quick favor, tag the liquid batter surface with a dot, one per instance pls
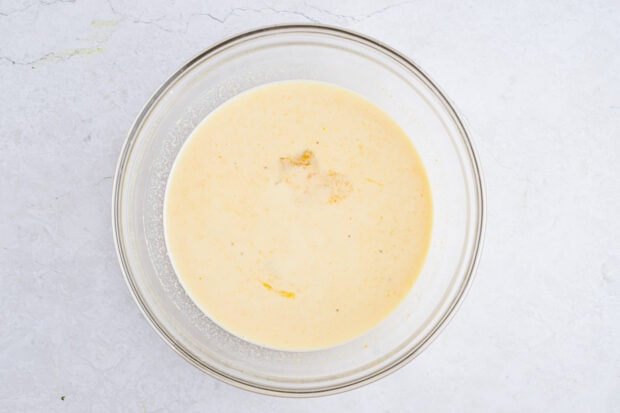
(298, 215)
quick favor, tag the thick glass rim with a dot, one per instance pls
(125, 156)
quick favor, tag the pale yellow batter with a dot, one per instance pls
(298, 215)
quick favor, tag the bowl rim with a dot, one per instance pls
(396, 364)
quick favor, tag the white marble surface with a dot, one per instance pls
(539, 85)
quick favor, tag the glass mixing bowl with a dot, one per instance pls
(279, 53)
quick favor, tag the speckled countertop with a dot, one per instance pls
(539, 86)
